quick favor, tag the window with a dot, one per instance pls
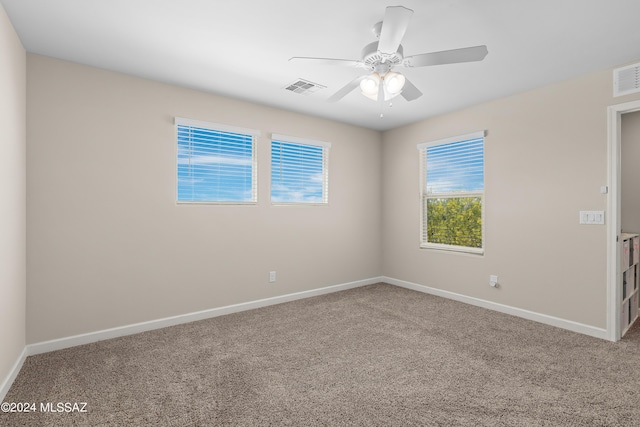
(452, 193)
(299, 170)
(216, 163)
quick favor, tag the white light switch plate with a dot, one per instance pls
(591, 217)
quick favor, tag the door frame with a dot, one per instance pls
(614, 202)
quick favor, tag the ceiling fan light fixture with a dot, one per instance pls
(369, 86)
(394, 82)
(380, 57)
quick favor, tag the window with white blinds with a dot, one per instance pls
(216, 163)
(452, 193)
(299, 170)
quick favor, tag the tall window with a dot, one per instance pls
(452, 192)
(216, 163)
(299, 170)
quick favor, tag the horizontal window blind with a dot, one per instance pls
(455, 167)
(215, 165)
(299, 171)
(452, 183)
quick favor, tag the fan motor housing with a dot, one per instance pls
(377, 61)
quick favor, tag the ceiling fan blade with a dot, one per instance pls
(409, 91)
(328, 61)
(395, 23)
(346, 89)
(466, 54)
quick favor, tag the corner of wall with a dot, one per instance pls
(12, 203)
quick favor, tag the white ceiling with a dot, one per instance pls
(240, 48)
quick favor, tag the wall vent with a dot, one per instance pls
(626, 80)
(304, 87)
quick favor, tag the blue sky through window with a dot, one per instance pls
(455, 167)
(297, 174)
(214, 166)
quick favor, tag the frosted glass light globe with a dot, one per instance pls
(369, 85)
(394, 82)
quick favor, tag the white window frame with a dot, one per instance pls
(180, 121)
(422, 148)
(325, 168)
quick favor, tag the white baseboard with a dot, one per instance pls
(526, 314)
(15, 369)
(59, 344)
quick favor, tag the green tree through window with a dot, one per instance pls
(455, 221)
(453, 192)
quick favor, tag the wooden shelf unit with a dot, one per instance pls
(630, 267)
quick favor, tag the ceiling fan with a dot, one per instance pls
(382, 56)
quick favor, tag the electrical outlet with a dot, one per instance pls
(493, 281)
(272, 276)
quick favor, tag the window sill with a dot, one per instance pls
(181, 202)
(298, 204)
(454, 249)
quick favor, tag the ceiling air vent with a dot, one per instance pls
(304, 87)
(626, 80)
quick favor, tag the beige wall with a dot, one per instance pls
(107, 244)
(12, 196)
(630, 171)
(546, 158)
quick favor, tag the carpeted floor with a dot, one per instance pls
(376, 356)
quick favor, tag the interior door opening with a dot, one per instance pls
(614, 207)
